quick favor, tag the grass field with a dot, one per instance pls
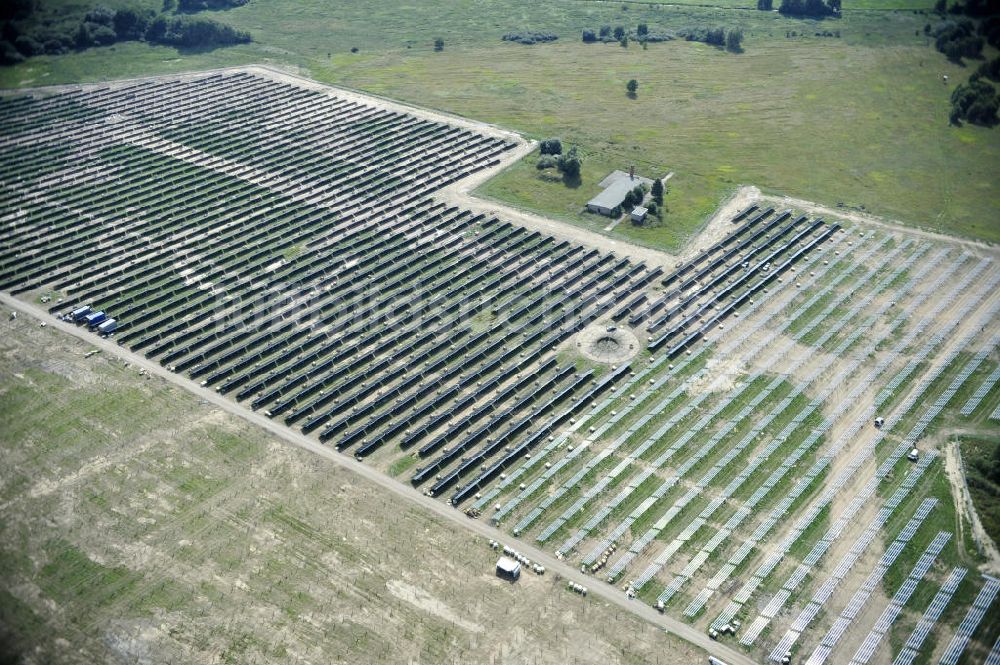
(859, 120)
(129, 535)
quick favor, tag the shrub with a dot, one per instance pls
(28, 45)
(642, 30)
(765, 5)
(605, 31)
(705, 35)
(132, 24)
(100, 15)
(589, 37)
(657, 37)
(438, 44)
(632, 86)
(990, 69)
(56, 43)
(657, 190)
(201, 5)
(976, 102)
(569, 164)
(957, 40)
(9, 55)
(550, 147)
(816, 8)
(546, 162)
(734, 40)
(619, 32)
(102, 35)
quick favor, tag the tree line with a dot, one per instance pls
(731, 39)
(23, 36)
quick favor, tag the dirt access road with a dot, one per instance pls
(608, 593)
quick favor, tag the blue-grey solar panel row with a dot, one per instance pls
(981, 392)
(770, 611)
(819, 599)
(768, 566)
(979, 608)
(743, 595)
(911, 649)
(637, 547)
(882, 625)
(994, 657)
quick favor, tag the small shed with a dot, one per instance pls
(508, 569)
(107, 327)
(639, 215)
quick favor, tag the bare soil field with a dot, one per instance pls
(142, 525)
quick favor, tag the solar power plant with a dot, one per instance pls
(757, 462)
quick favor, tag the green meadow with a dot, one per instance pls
(858, 120)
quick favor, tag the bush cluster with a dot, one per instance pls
(731, 39)
(958, 40)
(813, 8)
(975, 102)
(990, 70)
(190, 32)
(634, 197)
(529, 37)
(552, 157)
(202, 5)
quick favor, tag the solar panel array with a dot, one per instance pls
(755, 628)
(911, 648)
(844, 477)
(982, 391)
(994, 657)
(282, 244)
(857, 602)
(899, 600)
(980, 606)
(829, 387)
(639, 545)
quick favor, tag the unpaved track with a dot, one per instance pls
(606, 592)
(955, 470)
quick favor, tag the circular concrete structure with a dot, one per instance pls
(611, 345)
